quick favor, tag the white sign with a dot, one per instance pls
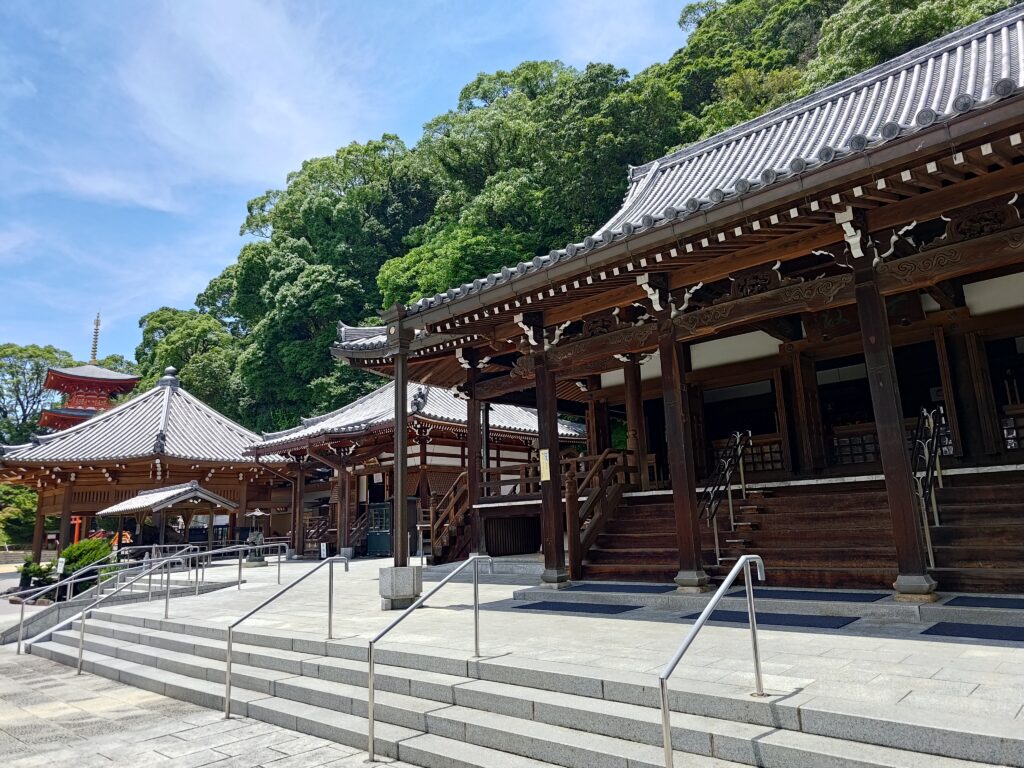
(60, 565)
(545, 467)
(323, 550)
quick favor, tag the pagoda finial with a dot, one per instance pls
(95, 339)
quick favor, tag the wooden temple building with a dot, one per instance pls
(816, 278)
(87, 389)
(160, 438)
(343, 465)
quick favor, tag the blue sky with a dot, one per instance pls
(132, 134)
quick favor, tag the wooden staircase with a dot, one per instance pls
(840, 538)
(451, 524)
(638, 543)
(979, 546)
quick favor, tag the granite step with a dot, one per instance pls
(550, 712)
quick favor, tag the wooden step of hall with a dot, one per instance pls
(836, 538)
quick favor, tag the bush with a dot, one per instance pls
(39, 575)
(86, 552)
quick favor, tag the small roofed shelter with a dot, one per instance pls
(162, 437)
(353, 447)
(187, 499)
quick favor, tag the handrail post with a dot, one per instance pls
(752, 619)
(330, 600)
(476, 608)
(239, 570)
(21, 626)
(369, 704)
(167, 592)
(666, 723)
(743, 476)
(81, 642)
(227, 677)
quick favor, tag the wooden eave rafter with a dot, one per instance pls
(892, 194)
(942, 140)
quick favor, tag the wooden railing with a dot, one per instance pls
(601, 489)
(447, 516)
(360, 528)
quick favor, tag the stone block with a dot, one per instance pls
(400, 587)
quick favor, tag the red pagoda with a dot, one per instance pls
(88, 389)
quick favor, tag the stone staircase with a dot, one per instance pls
(436, 708)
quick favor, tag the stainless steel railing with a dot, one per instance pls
(83, 614)
(330, 617)
(76, 578)
(742, 566)
(474, 560)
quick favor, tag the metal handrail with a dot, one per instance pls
(203, 556)
(72, 580)
(330, 618)
(92, 606)
(475, 561)
(926, 470)
(731, 461)
(743, 564)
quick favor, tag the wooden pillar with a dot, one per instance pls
(423, 488)
(243, 509)
(552, 512)
(473, 456)
(39, 532)
(401, 336)
(485, 427)
(973, 384)
(64, 536)
(679, 441)
(913, 581)
(599, 437)
(294, 534)
(300, 507)
(809, 427)
(636, 429)
(344, 511)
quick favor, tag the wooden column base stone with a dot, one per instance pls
(914, 588)
(692, 582)
(555, 578)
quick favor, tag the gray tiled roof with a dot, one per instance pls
(964, 71)
(95, 372)
(159, 498)
(165, 421)
(436, 403)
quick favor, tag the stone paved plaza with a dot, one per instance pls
(51, 717)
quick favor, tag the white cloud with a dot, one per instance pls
(152, 100)
(14, 243)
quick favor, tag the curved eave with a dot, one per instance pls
(336, 437)
(12, 462)
(55, 377)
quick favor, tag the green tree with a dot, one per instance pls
(18, 515)
(868, 32)
(23, 395)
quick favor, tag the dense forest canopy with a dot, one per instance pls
(528, 159)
